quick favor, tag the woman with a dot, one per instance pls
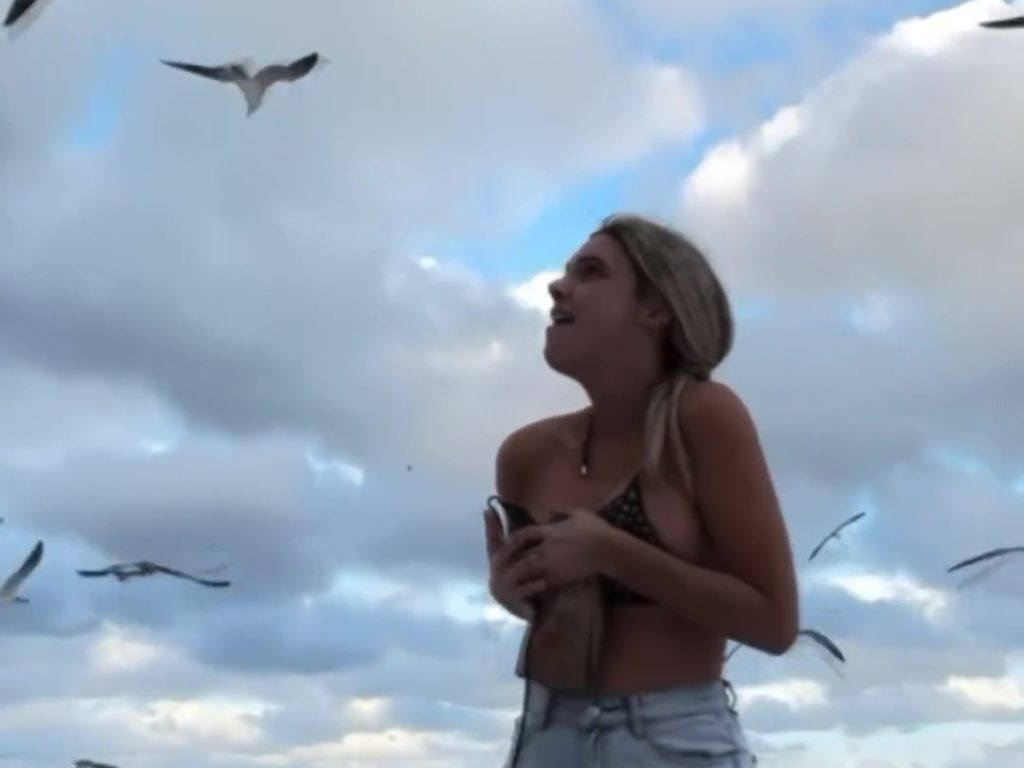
(700, 552)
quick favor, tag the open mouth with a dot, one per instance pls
(561, 317)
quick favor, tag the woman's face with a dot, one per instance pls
(596, 314)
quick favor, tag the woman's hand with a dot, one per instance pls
(516, 576)
(572, 546)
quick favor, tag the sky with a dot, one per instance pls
(283, 349)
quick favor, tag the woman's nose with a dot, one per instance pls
(555, 289)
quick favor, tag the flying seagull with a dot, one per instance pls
(1015, 21)
(9, 590)
(835, 533)
(824, 641)
(992, 553)
(91, 764)
(124, 571)
(253, 86)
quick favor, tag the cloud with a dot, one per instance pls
(222, 343)
(234, 287)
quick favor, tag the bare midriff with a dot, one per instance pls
(645, 647)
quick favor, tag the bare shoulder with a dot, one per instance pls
(711, 409)
(520, 451)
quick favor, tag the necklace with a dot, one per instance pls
(585, 458)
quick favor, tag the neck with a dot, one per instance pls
(618, 401)
(614, 424)
(616, 416)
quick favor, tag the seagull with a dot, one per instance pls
(91, 764)
(1015, 21)
(835, 533)
(124, 571)
(18, 9)
(989, 555)
(824, 641)
(253, 86)
(995, 555)
(9, 590)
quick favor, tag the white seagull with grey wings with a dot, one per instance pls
(253, 86)
(9, 590)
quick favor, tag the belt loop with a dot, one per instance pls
(634, 707)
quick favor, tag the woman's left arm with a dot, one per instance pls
(754, 598)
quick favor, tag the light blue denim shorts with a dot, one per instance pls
(693, 726)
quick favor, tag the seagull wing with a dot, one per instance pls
(834, 533)
(210, 582)
(196, 579)
(188, 577)
(1016, 21)
(824, 642)
(998, 552)
(98, 572)
(849, 521)
(287, 72)
(10, 587)
(164, 569)
(817, 548)
(18, 9)
(227, 73)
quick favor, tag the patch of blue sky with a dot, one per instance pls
(834, 21)
(962, 461)
(548, 239)
(100, 117)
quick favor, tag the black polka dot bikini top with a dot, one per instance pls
(626, 512)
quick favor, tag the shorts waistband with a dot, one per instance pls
(610, 710)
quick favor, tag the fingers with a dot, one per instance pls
(528, 567)
(507, 580)
(531, 535)
(530, 589)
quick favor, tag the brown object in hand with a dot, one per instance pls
(562, 647)
(563, 644)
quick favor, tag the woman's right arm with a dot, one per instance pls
(513, 578)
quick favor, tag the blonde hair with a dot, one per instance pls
(700, 332)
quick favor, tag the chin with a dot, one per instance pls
(562, 361)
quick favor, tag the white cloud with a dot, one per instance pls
(204, 354)
(985, 692)
(898, 587)
(725, 174)
(534, 293)
(932, 35)
(795, 694)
